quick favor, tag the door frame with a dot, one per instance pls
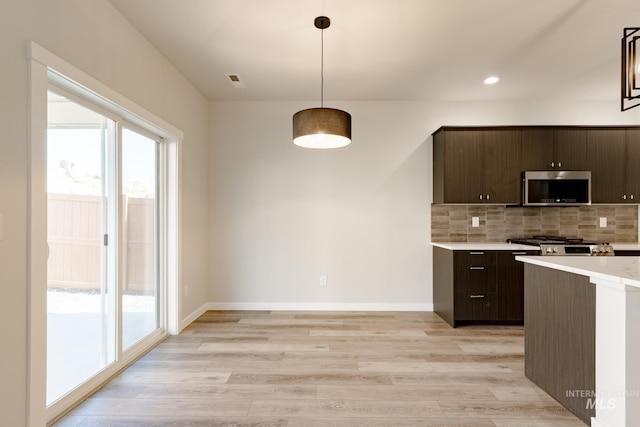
(46, 68)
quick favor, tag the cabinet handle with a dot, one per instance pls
(518, 253)
(559, 164)
(476, 296)
(476, 268)
(481, 197)
(476, 253)
(488, 197)
(553, 164)
(624, 196)
(631, 196)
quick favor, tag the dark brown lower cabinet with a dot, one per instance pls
(510, 285)
(478, 287)
(559, 337)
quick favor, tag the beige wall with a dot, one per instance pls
(282, 216)
(93, 37)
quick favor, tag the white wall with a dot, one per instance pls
(92, 36)
(281, 216)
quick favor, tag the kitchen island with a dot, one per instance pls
(615, 396)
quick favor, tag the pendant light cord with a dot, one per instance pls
(322, 68)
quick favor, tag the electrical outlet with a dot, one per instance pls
(475, 221)
(603, 222)
(323, 280)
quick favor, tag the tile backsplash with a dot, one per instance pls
(453, 223)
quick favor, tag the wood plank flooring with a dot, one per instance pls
(327, 369)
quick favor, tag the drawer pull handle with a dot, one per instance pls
(519, 253)
(476, 253)
(476, 296)
(476, 268)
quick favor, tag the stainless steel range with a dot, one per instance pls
(568, 246)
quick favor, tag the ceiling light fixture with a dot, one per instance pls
(322, 127)
(491, 80)
(630, 87)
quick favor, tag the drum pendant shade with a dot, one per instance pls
(322, 127)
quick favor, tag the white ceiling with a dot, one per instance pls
(391, 49)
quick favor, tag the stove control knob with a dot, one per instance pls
(549, 250)
(555, 250)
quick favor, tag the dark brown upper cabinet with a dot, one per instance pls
(614, 158)
(477, 165)
(554, 149)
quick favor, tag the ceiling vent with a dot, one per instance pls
(235, 81)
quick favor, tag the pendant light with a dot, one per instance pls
(322, 127)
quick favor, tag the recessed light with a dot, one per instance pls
(491, 80)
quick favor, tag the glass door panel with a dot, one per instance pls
(139, 293)
(80, 287)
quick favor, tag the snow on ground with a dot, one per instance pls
(81, 301)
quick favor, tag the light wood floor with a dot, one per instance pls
(327, 369)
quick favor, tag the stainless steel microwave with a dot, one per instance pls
(556, 188)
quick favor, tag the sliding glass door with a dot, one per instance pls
(139, 187)
(102, 222)
(80, 286)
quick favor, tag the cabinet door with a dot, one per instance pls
(632, 183)
(510, 286)
(537, 149)
(606, 152)
(463, 166)
(474, 307)
(570, 149)
(502, 167)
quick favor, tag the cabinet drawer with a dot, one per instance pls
(474, 258)
(474, 306)
(476, 279)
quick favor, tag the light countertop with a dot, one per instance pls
(626, 246)
(483, 246)
(504, 246)
(624, 270)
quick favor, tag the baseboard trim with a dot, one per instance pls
(192, 317)
(320, 306)
(270, 306)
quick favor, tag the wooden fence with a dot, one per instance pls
(75, 242)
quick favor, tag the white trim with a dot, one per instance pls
(193, 316)
(173, 238)
(285, 306)
(37, 248)
(266, 306)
